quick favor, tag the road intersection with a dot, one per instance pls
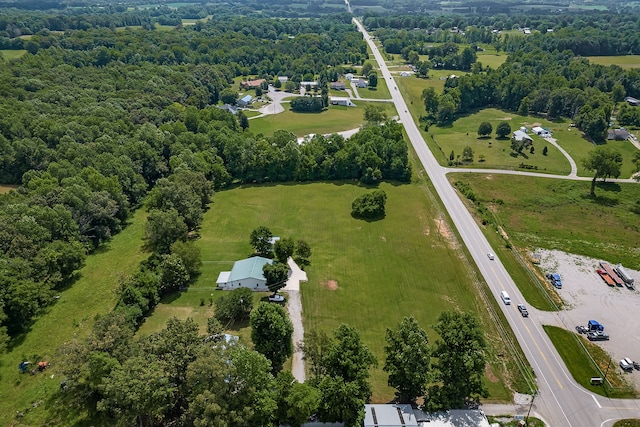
(560, 400)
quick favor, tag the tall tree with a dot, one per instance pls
(461, 360)
(283, 249)
(408, 360)
(315, 348)
(485, 129)
(163, 229)
(605, 161)
(296, 401)
(503, 129)
(276, 275)
(303, 253)
(271, 332)
(260, 239)
(243, 120)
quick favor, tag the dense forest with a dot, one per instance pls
(92, 120)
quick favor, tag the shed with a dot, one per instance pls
(283, 79)
(545, 133)
(338, 85)
(245, 101)
(334, 100)
(246, 273)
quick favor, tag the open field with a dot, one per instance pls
(357, 267)
(626, 61)
(558, 214)
(580, 362)
(489, 57)
(71, 316)
(12, 54)
(381, 92)
(336, 119)
(6, 188)
(497, 152)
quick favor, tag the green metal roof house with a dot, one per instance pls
(246, 273)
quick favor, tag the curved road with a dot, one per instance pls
(560, 400)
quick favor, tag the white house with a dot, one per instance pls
(360, 83)
(283, 79)
(520, 136)
(545, 133)
(304, 85)
(349, 76)
(334, 100)
(406, 74)
(246, 273)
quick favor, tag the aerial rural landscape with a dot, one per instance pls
(325, 213)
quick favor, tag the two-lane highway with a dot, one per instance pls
(560, 400)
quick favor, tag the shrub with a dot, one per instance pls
(369, 205)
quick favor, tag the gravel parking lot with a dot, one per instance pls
(587, 297)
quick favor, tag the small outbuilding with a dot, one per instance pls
(400, 415)
(617, 134)
(538, 130)
(245, 101)
(521, 136)
(246, 273)
(334, 100)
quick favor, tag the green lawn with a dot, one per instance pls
(626, 61)
(579, 356)
(384, 270)
(489, 58)
(464, 131)
(380, 92)
(11, 54)
(559, 214)
(336, 119)
(627, 423)
(71, 316)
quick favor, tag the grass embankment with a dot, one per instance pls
(580, 355)
(12, 54)
(71, 316)
(336, 118)
(367, 274)
(624, 61)
(559, 214)
(627, 423)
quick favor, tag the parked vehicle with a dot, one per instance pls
(523, 310)
(614, 276)
(505, 297)
(628, 280)
(582, 329)
(597, 336)
(626, 364)
(276, 298)
(594, 325)
(555, 280)
(607, 279)
(636, 366)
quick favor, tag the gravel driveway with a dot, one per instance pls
(588, 297)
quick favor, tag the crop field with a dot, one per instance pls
(71, 316)
(367, 274)
(560, 214)
(626, 61)
(336, 119)
(11, 54)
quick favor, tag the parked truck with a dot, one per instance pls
(606, 267)
(607, 279)
(624, 275)
(594, 325)
(555, 280)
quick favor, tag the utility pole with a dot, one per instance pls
(526, 420)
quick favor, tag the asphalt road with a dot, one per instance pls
(560, 400)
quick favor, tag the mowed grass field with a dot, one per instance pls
(464, 131)
(71, 316)
(560, 214)
(12, 54)
(336, 118)
(625, 61)
(367, 274)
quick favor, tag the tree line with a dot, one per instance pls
(179, 376)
